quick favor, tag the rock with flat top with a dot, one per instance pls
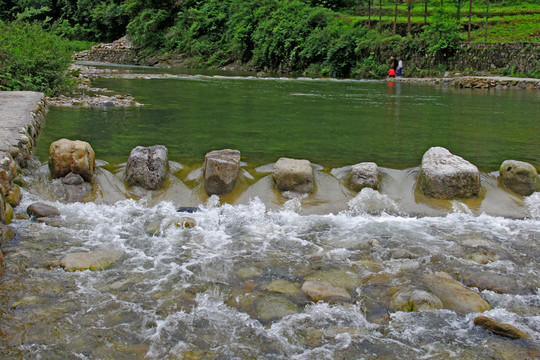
(66, 156)
(221, 168)
(519, 176)
(447, 176)
(293, 175)
(147, 167)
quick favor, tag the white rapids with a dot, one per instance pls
(196, 292)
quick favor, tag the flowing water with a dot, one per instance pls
(225, 282)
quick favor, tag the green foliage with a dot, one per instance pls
(441, 35)
(108, 21)
(32, 59)
(295, 36)
(281, 37)
(148, 28)
(333, 4)
(370, 68)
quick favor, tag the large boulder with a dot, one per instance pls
(221, 168)
(67, 156)
(519, 176)
(295, 176)
(147, 167)
(364, 175)
(453, 294)
(447, 176)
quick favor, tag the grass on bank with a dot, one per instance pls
(517, 23)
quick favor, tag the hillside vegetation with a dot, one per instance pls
(339, 38)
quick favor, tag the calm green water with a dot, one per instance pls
(332, 123)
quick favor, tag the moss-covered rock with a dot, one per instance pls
(519, 176)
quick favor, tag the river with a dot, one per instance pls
(230, 286)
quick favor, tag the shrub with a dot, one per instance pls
(33, 59)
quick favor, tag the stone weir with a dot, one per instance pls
(21, 115)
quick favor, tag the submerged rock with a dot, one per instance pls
(415, 300)
(67, 156)
(364, 175)
(147, 167)
(492, 281)
(447, 176)
(498, 328)
(283, 287)
(221, 168)
(275, 307)
(186, 222)
(345, 278)
(89, 260)
(519, 176)
(187, 209)
(325, 291)
(453, 294)
(6, 233)
(40, 209)
(292, 175)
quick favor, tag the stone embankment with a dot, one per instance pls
(21, 117)
(479, 82)
(117, 52)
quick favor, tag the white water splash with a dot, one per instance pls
(369, 201)
(533, 205)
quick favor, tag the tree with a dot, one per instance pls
(395, 17)
(380, 15)
(487, 17)
(369, 14)
(458, 4)
(410, 4)
(470, 15)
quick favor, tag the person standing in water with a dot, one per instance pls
(399, 67)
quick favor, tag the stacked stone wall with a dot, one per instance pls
(519, 57)
(21, 117)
